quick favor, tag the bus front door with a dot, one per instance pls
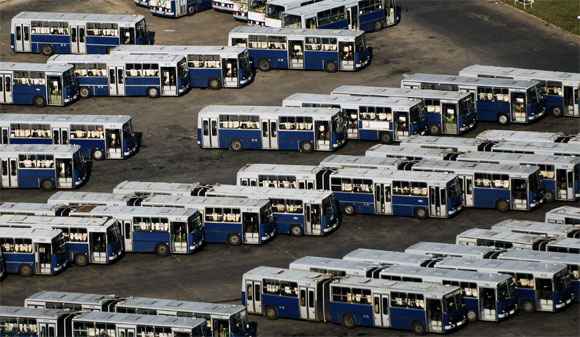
(4, 136)
(54, 90)
(468, 191)
(307, 303)
(125, 331)
(168, 81)
(518, 106)
(113, 142)
(308, 230)
(381, 310)
(562, 185)
(43, 258)
(6, 89)
(251, 228)
(77, 37)
(571, 101)
(22, 41)
(449, 119)
(351, 116)
(296, 54)
(209, 136)
(434, 315)
(383, 202)
(401, 125)
(128, 236)
(116, 81)
(269, 134)
(178, 237)
(64, 173)
(391, 12)
(9, 173)
(435, 201)
(254, 297)
(322, 135)
(231, 73)
(346, 53)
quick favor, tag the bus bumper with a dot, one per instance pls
(453, 326)
(538, 115)
(467, 127)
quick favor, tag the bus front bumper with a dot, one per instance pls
(467, 127)
(456, 210)
(452, 326)
(538, 115)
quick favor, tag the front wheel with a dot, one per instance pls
(47, 185)
(330, 67)
(296, 230)
(98, 155)
(557, 112)
(472, 316)
(379, 25)
(236, 146)
(214, 84)
(349, 210)
(306, 147)
(234, 240)
(271, 313)
(418, 328)
(39, 101)
(47, 51)
(84, 92)
(162, 250)
(264, 65)
(528, 306)
(26, 270)
(502, 206)
(435, 130)
(421, 213)
(386, 138)
(348, 321)
(503, 119)
(153, 92)
(81, 260)
(548, 196)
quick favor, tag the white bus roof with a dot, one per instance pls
(561, 149)
(170, 60)
(467, 167)
(340, 160)
(93, 224)
(22, 312)
(467, 81)
(262, 30)
(488, 234)
(449, 249)
(404, 151)
(520, 158)
(534, 227)
(431, 274)
(269, 111)
(88, 198)
(203, 202)
(69, 297)
(181, 306)
(278, 169)
(59, 151)
(136, 49)
(566, 243)
(520, 136)
(386, 257)
(301, 277)
(142, 320)
(145, 187)
(382, 174)
(350, 267)
(87, 17)
(542, 270)
(539, 256)
(41, 235)
(22, 66)
(6, 119)
(130, 211)
(312, 196)
(395, 103)
(430, 290)
(28, 208)
(570, 211)
(362, 90)
(317, 7)
(521, 73)
(285, 2)
(456, 143)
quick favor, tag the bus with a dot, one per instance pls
(246, 127)
(389, 258)
(223, 320)
(336, 267)
(42, 166)
(95, 323)
(370, 118)
(70, 301)
(565, 245)
(352, 301)
(271, 15)
(145, 188)
(446, 112)
(440, 249)
(560, 175)
(539, 286)
(2, 266)
(538, 228)
(178, 8)
(502, 239)
(299, 49)
(497, 100)
(365, 15)
(142, 3)
(212, 67)
(127, 75)
(19, 321)
(33, 251)
(345, 161)
(37, 84)
(527, 136)
(99, 136)
(75, 33)
(499, 186)
(560, 89)
(307, 213)
(564, 215)
(88, 241)
(408, 153)
(76, 199)
(228, 6)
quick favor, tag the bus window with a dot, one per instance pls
(128, 35)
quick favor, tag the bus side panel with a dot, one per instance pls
(61, 44)
(315, 60)
(553, 101)
(488, 197)
(146, 242)
(362, 203)
(101, 44)
(433, 118)
(406, 205)
(367, 21)
(89, 145)
(278, 58)
(13, 261)
(403, 318)
(98, 86)
(30, 141)
(286, 307)
(368, 135)
(285, 221)
(471, 304)
(137, 86)
(78, 247)
(489, 111)
(31, 178)
(525, 294)
(291, 140)
(341, 24)
(24, 94)
(250, 139)
(361, 313)
(199, 78)
(217, 232)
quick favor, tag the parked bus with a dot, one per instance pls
(212, 67)
(228, 6)
(36, 209)
(410, 153)
(336, 267)
(497, 100)
(502, 239)
(527, 136)
(93, 198)
(454, 144)
(365, 15)
(538, 228)
(19, 321)
(178, 8)
(245, 127)
(223, 320)
(128, 75)
(346, 161)
(539, 286)
(30, 251)
(560, 89)
(142, 3)
(446, 112)
(565, 245)
(75, 33)
(42, 166)
(503, 187)
(99, 136)
(352, 301)
(389, 258)
(560, 175)
(70, 301)
(275, 9)
(38, 84)
(131, 187)
(440, 249)
(94, 241)
(370, 118)
(567, 215)
(299, 49)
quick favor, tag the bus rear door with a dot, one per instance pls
(383, 201)
(78, 43)
(254, 296)
(168, 81)
(307, 303)
(352, 16)
(116, 81)
(270, 134)
(23, 42)
(9, 172)
(6, 89)
(381, 310)
(59, 136)
(296, 54)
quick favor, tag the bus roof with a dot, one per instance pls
(16, 312)
(298, 276)
(268, 192)
(520, 158)
(449, 249)
(26, 208)
(143, 320)
(431, 290)
(488, 234)
(285, 2)
(131, 187)
(88, 17)
(314, 8)
(468, 81)
(23, 66)
(182, 306)
(539, 256)
(534, 227)
(518, 136)
(538, 148)
(386, 257)
(459, 167)
(269, 111)
(351, 267)
(520, 73)
(395, 103)
(262, 30)
(61, 221)
(80, 198)
(202, 202)
(125, 211)
(64, 119)
(404, 150)
(340, 160)
(115, 58)
(493, 265)
(566, 243)
(362, 90)
(278, 169)
(36, 234)
(135, 49)
(565, 211)
(457, 143)
(69, 297)
(386, 174)
(57, 150)
(428, 274)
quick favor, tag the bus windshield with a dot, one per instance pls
(266, 215)
(466, 106)
(67, 78)
(506, 289)
(127, 131)
(577, 174)
(114, 233)
(533, 96)
(274, 11)
(454, 189)
(244, 60)
(452, 302)
(329, 206)
(360, 44)
(58, 245)
(292, 21)
(141, 30)
(338, 123)
(183, 69)
(194, 223)
(237, 325)
(416, 113)
(561, 282)
(258, 5)
(536, 182)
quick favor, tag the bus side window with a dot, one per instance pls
(205, 128)
(112, 76)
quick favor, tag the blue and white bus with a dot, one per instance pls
(30, 251)
(99, 136)
(344, 161)
(29, 322)
(539, 286)
(365, 15)
(75, 33)
(352, 301)
(502, 239)
(38, 84)
(209, 66)
(72, 302)
(132, 187)
(564, 215)
(528, 136)
(94, 241)
(538, 228)
(178, 8)
(271, 15)
(246, 127)
(410, 153)
(503, 187)
(560, 89)
(497, 100)
(300, 49)
(560, 175)
(446, 112)
(336, 267)
(128, 75)
(370, 118)
(42, 166)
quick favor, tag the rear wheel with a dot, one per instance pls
(503, 119)
(296, 230)
(26, 270)
(548, 196)
(435, 130)
(271, 313)
(47, 50)
(236, 145)
(330, 67)
(557, 111)
(349, 210)
(421, 213)
(234, 240)
(348, 321)
(162, 249)
(153, 92)
(39, 101)
(379, 25)
(84, 92)
(528, 306)
(214, 84)
(98, 155)
(386, 138)
(264, 65)
(47, 185)
(472, 316)
(418, 328)
(502, 206)
(81, 260)
(306, 147)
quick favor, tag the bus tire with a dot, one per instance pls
(84, 92)
(503, 119)
(214, 84)
(528, 306)
(81, 260)
(418, 328)
(306, 147)
(379, 25)
(271, 313)
(47, 185)
(330, 67)
(39, 101)
(349, 210)
(386, 138)
(162, 250)
(264, 65)
(234, 239)
(153, 92)
(296, 230)
(471, 315)
(421, 213)
(435, 130)
(348, 321)
(98, 155)
(47, 50)
(26, 270)
(502, 206)
(548, 196)
(557, 111)
(236, 145)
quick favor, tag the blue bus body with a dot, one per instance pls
(299, 49)
(178, 8)
(75, 33)
(2, 266)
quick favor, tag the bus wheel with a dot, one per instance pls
(349, 210)
(421, 213)
(39, 101)
(306, 147)
(47, 185)
(214, 84)
(379, 25)
(348, 321)
(271, 313)
(556, 111)
(153, 92)
(236, 145)
(330, 67)
(503, 119)
(502, 206)
(47, 50)
(26, 270)
(234, 240)
(296, 230)
(418, 328)
(548, 196)
(162, 250)
(386, 138)
(84, 92)
(435, 130)
(264, 65)
(528, 306)
(471, 316)
(81, 260)
(98, 155)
